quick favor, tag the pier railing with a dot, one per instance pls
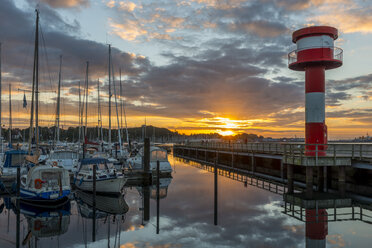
(298, 153)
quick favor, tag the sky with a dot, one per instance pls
(196, 66)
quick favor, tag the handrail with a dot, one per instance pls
(358, 151)
(337, 54)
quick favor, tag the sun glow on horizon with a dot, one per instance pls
(226, 133)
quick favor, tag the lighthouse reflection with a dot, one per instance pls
(318, 211)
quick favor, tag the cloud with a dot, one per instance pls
(65, 3)
(130, 30)
(348, 16)
(220, 4)
(261, 28)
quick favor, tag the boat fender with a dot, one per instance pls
(38, 183)
(81, 181)
(37, 225)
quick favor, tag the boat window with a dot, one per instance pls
(51, 178)
(159, 155)
(17, 159)
(64, 155)
(89, 167)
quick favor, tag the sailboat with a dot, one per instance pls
(43, 185)
(61, 154)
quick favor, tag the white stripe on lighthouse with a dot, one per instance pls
(315, 107)
(315, 42)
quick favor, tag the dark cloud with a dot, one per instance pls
(18, 49)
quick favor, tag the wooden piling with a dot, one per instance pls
(215, 194)
(146, 155)
(157, 196)
(94, 202)
(18, 207)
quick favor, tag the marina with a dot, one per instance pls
(203, 123)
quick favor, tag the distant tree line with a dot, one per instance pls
(156, 134)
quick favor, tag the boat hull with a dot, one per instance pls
(107, 186)
(44, 199)
(107, 204)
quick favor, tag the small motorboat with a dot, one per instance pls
(156, 154)
(45, 186)
(108, 179)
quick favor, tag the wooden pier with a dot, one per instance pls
(345, 167)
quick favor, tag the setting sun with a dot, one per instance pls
(226, 133)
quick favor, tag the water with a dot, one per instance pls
(247, 217)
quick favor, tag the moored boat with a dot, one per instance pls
(8, 170)
(46, 186)
(108, 179)
(156, 154)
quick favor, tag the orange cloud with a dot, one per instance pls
(129, 30)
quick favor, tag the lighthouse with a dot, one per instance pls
(315, 53)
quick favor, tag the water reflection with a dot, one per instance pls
(249, 212)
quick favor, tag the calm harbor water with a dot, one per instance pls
(247, 217)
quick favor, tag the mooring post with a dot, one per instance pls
(18, 206)
(290, 178)
(94, 202)
(146, 160)
(215, 194)
(18, 182)
(309, 181)
(157, 196)
(341, 180)
(146, 203)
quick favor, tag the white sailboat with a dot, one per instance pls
(108, 179)
(43, 185)
(156, 154)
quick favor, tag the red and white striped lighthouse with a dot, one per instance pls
(315, 53)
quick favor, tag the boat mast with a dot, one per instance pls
(86, 101)
(79, 114)
(117, 113)
(121, 105)
(59, 97)
(100, 131)
(10, 116)
(109, 75)
(37, 85)
(123, 110)
(35, 79)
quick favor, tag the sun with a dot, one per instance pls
(226, 133)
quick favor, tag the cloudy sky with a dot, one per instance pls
(192, 66)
